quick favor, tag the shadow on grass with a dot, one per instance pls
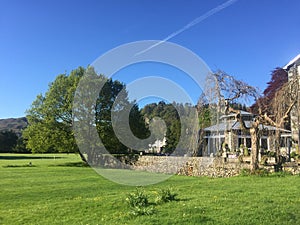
(15, 157)
(72, 164)
(17, 166)
(205, 219)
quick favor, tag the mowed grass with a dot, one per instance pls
(57, 189)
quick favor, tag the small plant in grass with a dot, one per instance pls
(137, 199)
(139, 211)
(166, 195)
(139, 203)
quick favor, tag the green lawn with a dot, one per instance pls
(57, 189)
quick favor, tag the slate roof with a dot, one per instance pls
(243, 113)
(234, 125)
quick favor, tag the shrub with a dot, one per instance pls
(139, 211)
(139, 203)
(137, 199)
(271, 154)
(294, 155)
(166, 195)
(246, 151)
(264, 160)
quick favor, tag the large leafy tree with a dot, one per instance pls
(111, 105)
(51, 118)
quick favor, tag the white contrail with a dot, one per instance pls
(192, 23)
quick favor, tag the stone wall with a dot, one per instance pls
(200, 166)
(190, 166)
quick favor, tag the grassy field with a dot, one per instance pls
(57, 189)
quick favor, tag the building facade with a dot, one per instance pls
(230, 135)
(293, 69)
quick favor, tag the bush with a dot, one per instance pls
(264, 160)
(246, 151)
(139, 211)
(294, 155)
(137, 199)
(166, 195)
(271, 154)
(139, 203)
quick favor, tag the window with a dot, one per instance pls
(240, 141)
(248, 142)
(264, 143)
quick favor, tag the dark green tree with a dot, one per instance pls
(169, 114)
(8, 140)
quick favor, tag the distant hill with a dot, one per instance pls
(13, 124)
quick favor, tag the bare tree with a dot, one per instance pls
(284, 101)
(227, 90)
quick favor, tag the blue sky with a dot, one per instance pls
(41, 39)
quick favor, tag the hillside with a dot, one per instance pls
(13, 124)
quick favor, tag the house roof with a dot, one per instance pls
(235, 125)
(293, 61)
(243, 113)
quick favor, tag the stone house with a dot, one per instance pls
(230, 135)
(293, 69)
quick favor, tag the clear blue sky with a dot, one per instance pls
(41, 39)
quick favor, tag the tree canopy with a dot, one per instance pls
(279, 77)
(51, 118)
(179, 120)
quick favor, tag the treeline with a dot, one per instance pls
(51, 118)
(10, 142)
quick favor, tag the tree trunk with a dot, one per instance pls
(278, 166)
(254, 148)
(82, 157)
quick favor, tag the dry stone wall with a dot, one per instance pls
(200, 166)
(190, 166)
